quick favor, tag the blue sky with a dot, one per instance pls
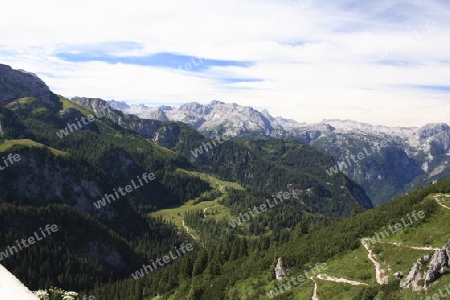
(163, 60)
(381, 62)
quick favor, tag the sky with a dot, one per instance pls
(380, 62)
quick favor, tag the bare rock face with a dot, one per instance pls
(211, 119)
(414, 277)
(15, 84)
(438, 266)
(280, 271)
(43, 176)
(420, 276)
(164, 134)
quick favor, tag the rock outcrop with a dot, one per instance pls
(42, 174)
(215, 118)
(280, 271)
(15, 84)
(427, 270)
(165, 134)
(438, 266)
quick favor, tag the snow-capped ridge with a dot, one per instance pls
(218, 117)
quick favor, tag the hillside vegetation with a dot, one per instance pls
(62, 175)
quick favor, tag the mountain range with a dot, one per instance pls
(67, 164)
(259, 199)
(413, 156)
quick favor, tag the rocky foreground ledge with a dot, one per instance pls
(428, 269)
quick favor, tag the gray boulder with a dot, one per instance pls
(437, 267)
(280, 271)
(427, 270)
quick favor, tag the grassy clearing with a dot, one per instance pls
(303, 290)
(397, 258)
(444, 199)
(211, 208)
(259, 287)
(67, 104)
(7, 145)
(353, 266)
(25, 100)
(433, 232)
(356, 266)
(213, 181)
(336, 291)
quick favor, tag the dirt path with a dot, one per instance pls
(410, 247)
(378, 271)
(221, 187)
(439, 202)
(187, 230)
(314, 296)
(339, 280)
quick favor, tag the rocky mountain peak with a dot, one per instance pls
(425, 150)
(267, 115)
(216, 117)
(432, 129)
(191, 106)
(95, 104)
(15, 84)
(217, 102)
(122, 105)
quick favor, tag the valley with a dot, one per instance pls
(225, 150)
(207, 201)
(399, 156)
(218, 211)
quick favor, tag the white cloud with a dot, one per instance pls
(317, 59)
